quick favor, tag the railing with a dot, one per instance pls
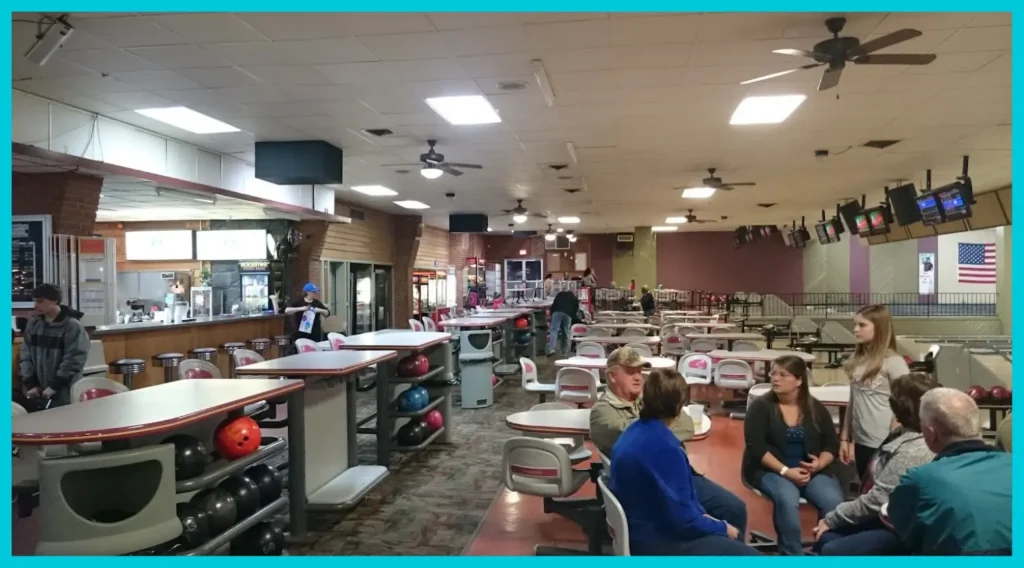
(905, 304)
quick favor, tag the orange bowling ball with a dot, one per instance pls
(522, 323)
(237, 438)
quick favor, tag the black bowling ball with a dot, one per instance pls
(245, 493)
(410, 434)
(263, 539)
(195, 527)
(268, 480)
(190, 456)
(220, 508)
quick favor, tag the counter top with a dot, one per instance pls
(154, 326)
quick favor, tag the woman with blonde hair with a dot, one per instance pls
(874, 365)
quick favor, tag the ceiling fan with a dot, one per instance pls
(519, 213)
(838, 51)
(434, 165)
(691, 218)
(714, 182)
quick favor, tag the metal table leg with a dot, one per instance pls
(297, 466)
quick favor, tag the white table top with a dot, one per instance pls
(474, 321)
(602, 362)
(395, 341)
(509, 310)
(143, 412)
(832, 395)
(682, 312)
(724, 335)
(762, 356)
(620, 339)
(703, 324)
(617, 314)
(317, 363)
(691, 317)
(646, 326)
(500, 316)
(571, 421)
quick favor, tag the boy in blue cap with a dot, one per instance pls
(310, 311)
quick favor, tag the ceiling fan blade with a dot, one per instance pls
(740, 184)
(888, 40)
(781, 73)
(458, 165)
(830, 78)
(446, 168)
(896, 59)
(798, 53)
(400, 165)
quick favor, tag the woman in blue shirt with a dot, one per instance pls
(651, 477)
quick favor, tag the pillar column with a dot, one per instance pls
(640, 264)
(408, 232)
(70, 199)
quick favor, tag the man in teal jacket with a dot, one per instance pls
(960, 503)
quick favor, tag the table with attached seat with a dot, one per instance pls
(572, 422)
(149, 414)
(650, 341)
(507, 317)
(728, 336)
(334, 479)
(602, 362)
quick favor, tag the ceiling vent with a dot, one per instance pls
(511, 85)
(378, 132)
(565, 178)
(880, 144)
(558, 167)
(571, 190)
(767, 205)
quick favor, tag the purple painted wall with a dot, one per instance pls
(931, 244)
(860, 267)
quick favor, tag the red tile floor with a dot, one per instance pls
(516, 523)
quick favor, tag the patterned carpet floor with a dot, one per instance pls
(434, 500)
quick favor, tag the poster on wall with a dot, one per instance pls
(30, 244)
(926, 273)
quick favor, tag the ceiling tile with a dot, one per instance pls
(128, 32)
(218, 77)
(568, 35)
(475, 20)
(209, 28)
(991, 19)
(156, 80)
(486, 41)
(287, 75)
(301, 92)
(134, 101)
(175, 57)
(279, 26)
(656, 30)
(358, 73)
(368, 24)
(490, 65)
(406, 46)
(976, 39)
(248, 95)
(324, 51)
(259, 53)
(107, 60)
(924, 21)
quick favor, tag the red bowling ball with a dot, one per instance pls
(494, 380)
(1000, 395)
(237, 437)
(977, 393)
(413, 366)
(522, 323)
(434, 420)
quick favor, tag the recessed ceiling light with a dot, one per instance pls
(187, 119)
(698, 192)
(461, 111)
(374, 190)
(568, 220)
(665, 229)
(675, 220)
(431, 172)
(412, 205)
(766, 110)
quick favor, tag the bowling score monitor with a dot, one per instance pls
(878, 221)
(931, 212)
(955, 201)
(826, 231)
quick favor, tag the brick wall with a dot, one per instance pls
(71, 199)
(460, 247)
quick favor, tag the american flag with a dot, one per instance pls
(976, 263)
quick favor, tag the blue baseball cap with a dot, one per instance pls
(310, 288)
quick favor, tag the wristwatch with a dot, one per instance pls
(783, 471)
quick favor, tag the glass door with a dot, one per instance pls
(382, 297)
(361, 298)
(337, 299)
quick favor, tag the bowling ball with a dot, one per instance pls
(1000, 394)
(411, 434)
(415, 365)
(494, 380)
(221, 512)
(522, 323)
(524, 337)
(408, 401)
(237, 437)
(195, 527)
(190, 456)
(977, 393)
(245, 493)
(263, 539)
(267, 480)
(422, 397)
(433, 420)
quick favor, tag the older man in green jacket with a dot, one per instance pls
(960, 503)
(620, 407)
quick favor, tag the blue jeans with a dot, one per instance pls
(822, 491)
(866, 539)
(721, 503)
(715, 545)
(560, 323)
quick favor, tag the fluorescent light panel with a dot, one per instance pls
(187, 119)
(568, 220)
(466, 110)
(665, 229)
(698, 192)
(412, 205)
(374, 190)
(675, 220)
(766, 110)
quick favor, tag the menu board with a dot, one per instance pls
(30, 241)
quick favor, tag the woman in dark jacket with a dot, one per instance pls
(790, 445)
(647, 301)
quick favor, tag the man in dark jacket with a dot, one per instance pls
(961, 502)
(54, 349)
(565, 309)
(647, 302)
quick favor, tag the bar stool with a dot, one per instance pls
(283, 342)
(208, 354)
(169, 362)
(128, 369)
(260, 345)
(230, 348)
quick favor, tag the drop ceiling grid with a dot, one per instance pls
(644, 98)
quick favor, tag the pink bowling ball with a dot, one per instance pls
(434, 420)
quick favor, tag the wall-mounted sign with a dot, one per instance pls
(926, 273)
(158, 245)
(249, 244)
(31, 236)
(259, 266)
